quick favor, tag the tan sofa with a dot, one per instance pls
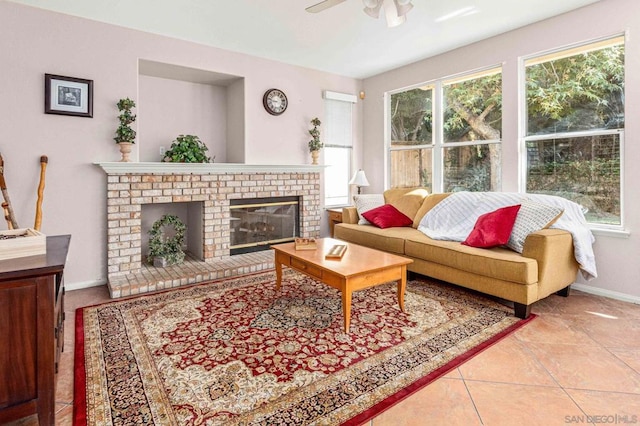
(546, 265)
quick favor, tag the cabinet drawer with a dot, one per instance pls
(302, 266)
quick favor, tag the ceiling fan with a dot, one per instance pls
(394, 10)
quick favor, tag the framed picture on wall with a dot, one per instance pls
(68, 96)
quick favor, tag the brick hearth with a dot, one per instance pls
(132, 185)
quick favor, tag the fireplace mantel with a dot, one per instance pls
(180, 168)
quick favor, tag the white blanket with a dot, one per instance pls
(453, 219)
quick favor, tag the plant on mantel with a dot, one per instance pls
(125, 135)
(187, 149)
(315, 144)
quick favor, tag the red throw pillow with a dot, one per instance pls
(387, 216)
(493, 228)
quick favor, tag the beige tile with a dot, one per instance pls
(610, 331)
(85, 297)
(553, 329)
(631, 357)
(64, 415)
(453, 374)
(64, 381)
(608, 404)
(547, 305)
(626, 309)
(580, 303)
(508, 361)
(586, 367)
(443, 402)
(511, 404)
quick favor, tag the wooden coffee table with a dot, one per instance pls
(359, 268)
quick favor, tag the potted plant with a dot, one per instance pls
(165, 251)
(315, 144)
(187, 149)
(125, 135)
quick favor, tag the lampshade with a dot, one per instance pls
(359, 179)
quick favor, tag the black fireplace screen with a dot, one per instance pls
(259, 222)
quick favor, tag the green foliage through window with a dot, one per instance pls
(575, 125)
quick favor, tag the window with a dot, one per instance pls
(575, 127)
(338, 145)
(411, 149)
(472, 127)
(452, 148)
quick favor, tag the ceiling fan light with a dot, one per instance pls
(391, 13)
(372, 8)
(403, 6)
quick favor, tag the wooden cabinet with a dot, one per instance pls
(31, 332)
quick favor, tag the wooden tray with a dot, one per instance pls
(305, 244)
(336, 251)
(22, 242)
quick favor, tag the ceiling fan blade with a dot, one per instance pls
(323, 5)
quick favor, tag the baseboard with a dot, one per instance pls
(84, 284)
(606, 293)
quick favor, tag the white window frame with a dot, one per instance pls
(549, 55)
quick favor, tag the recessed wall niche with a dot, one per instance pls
(174, 100)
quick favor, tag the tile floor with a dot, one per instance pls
(577, 363)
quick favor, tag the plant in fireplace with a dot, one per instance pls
(165, 251)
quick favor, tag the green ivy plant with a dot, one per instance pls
(187, 149)
(315, 144)
(124, 133)
(169, 248)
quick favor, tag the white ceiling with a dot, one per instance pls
(341, 40)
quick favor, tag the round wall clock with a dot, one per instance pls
(274, 101)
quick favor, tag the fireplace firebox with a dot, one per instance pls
(259, 222)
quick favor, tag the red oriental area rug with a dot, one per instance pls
(238, 352)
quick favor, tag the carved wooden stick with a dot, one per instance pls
(43, 167)
(7, 216)
(3, 186)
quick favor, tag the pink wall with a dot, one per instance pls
(34, 42)
(616, 255)
(168, 108)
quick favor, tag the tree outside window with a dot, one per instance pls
(469, 130)
(575, 127)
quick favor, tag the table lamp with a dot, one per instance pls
(359, 179)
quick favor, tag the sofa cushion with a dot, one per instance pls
(366, 202)
(427, 204)
(391, 240)
(533, 216)
(494, 228)
(407, 200)
(387, 216)
(499, 263)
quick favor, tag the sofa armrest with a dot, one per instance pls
(350, 215)
(557, 266)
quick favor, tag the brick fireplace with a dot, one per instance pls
(132, 185)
